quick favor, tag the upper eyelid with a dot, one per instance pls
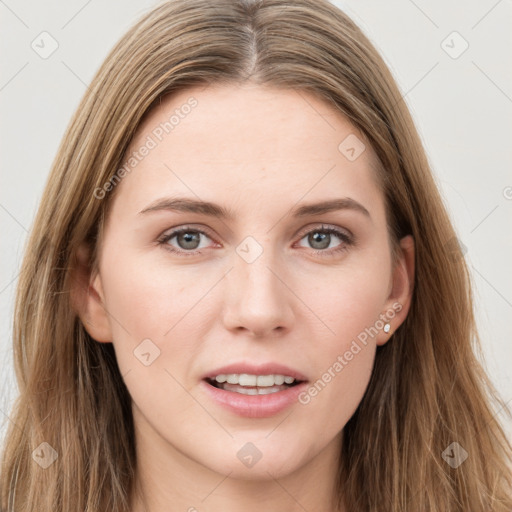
(172, 232)
(325, 226)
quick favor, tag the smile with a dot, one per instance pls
(247, 384)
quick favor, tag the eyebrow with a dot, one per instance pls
(188, 205)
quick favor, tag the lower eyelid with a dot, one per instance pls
(345, 238)
(167, 238)
(345, 241)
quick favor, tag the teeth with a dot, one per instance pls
(252, 391)
(267, 391)
(279, 379)
(265, 380)
(232, 379)
(245, 379)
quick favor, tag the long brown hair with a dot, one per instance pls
(428, 389)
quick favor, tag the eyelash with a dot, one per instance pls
(344, 237)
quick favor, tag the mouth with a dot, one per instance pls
(254, 391)
(249, 384)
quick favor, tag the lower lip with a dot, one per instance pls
(254, 406)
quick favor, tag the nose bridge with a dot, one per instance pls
(258, 298)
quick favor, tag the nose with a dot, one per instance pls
(258, 299)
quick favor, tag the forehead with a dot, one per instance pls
(246, 143)
(259, 120)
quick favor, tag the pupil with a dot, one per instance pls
(324, 239)
(188, 239)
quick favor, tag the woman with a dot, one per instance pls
(242, 290)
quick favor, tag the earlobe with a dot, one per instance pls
(399, 300)
(87, 298)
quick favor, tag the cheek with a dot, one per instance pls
(348, 303)
(346, 300)
(155, 311)
(151, 298)
(154, 319)
(336, 393)
(343, 364)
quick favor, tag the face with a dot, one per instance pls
(246, 329)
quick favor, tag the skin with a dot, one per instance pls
(261, 152)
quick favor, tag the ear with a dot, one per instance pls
(399, 300)
(87, 298)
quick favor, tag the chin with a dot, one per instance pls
(252, 456)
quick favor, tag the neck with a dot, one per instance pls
(168, 479)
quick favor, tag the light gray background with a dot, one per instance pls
(462, 107)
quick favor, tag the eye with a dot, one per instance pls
(188, 240)
(321, 239)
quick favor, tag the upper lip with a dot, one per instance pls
(256, 369)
